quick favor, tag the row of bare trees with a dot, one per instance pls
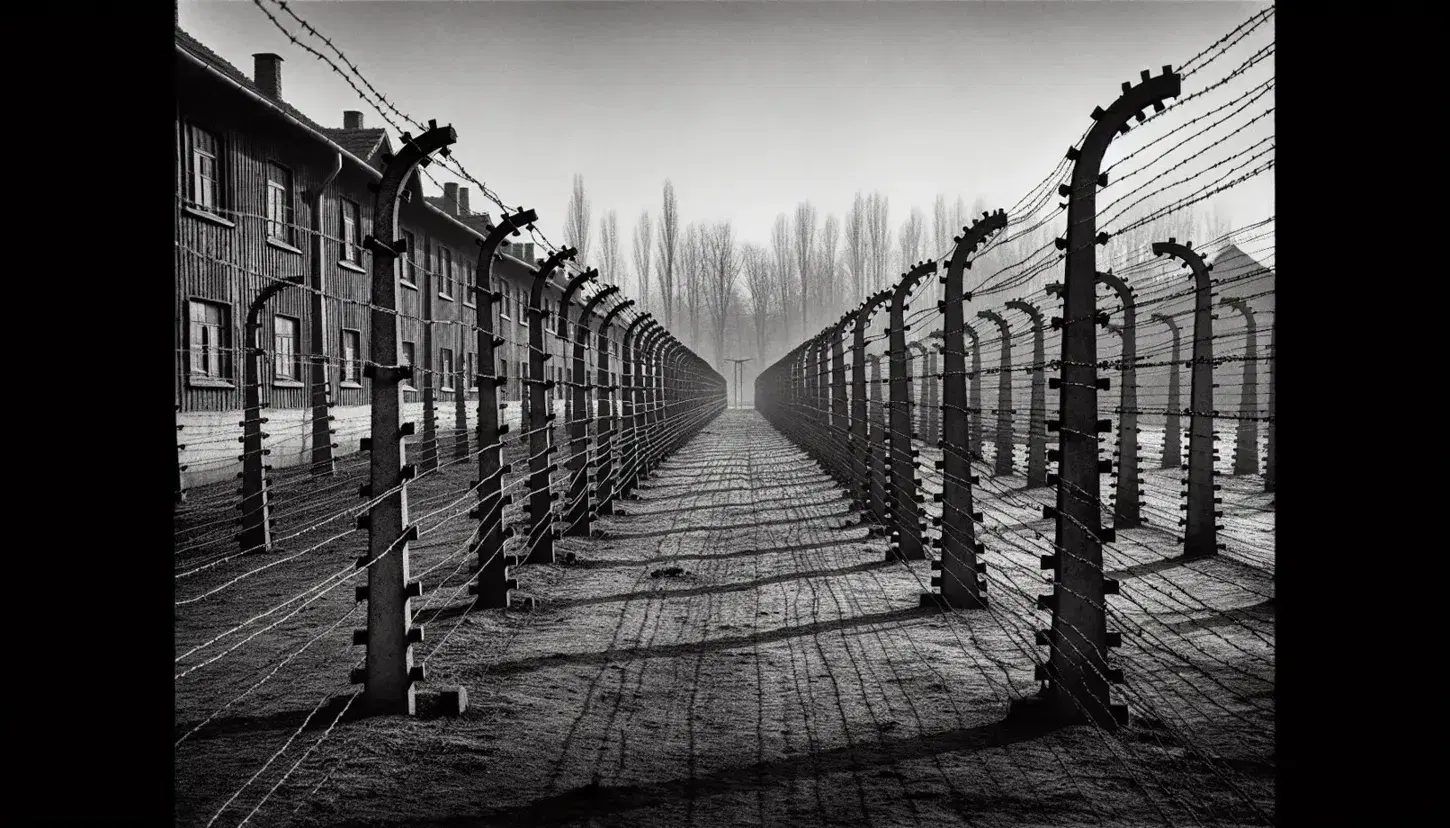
(689, 275)
(728, 298)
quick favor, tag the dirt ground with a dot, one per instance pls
(783, 675)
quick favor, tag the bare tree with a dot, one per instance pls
(857, 248)
(911, 239)
(643, 241)
(692, 265)
(669, 249)
(979, 206)
(1136, 243)
(1215, 223)
(942, 231)
(780, 242)
(828, 288)
(945, 225)
(760, 280)
(723, 267)
(610, 262)
(805, 242)
(576, 222)
(878, 232)
(942, 228)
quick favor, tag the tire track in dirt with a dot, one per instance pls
(708, 576)
(651, 609)
(755, 654)
(874, 681)
(714, 609)
(807, 708)
(695, 619)
(638, 663)
(807, 564)
(808, 522)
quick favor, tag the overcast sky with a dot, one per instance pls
(749, 107)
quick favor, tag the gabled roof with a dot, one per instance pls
(217, 62)
(1231, 261)
(366, 144)
(478, 221)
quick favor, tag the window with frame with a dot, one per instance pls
(351, 356)
(503, 374)
(204, 179)
(410, 261)
(286, 348)
(349, 242)
(210, 340)
(405, 357)
(471, 365)
(279, 203)
(445, 369)
(445, 273)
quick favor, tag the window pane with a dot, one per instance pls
(285, 348)
(349, 242)
(207, 339)
(410, 267)
(349, 356)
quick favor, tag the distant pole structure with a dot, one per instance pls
(608, 420)
(1002, 465)
(582, 488)
(1127, 511)
(865, 405)
(737, 373)
(1200, 533)
(256, 534)
(1037, 410)
(904, 498)
(961, 566)
(1246, 450)
(974, 397)
(493, 584)
(539, 507)
(1172, 430)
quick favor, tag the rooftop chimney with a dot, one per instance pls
(352, 120)
(267, 73)
(463, 201)
(450, 199)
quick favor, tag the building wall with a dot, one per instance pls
(226, 258)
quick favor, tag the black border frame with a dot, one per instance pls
(93, 738)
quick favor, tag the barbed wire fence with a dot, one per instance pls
(1196, 675)
(1157, 547)
(389, 530)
